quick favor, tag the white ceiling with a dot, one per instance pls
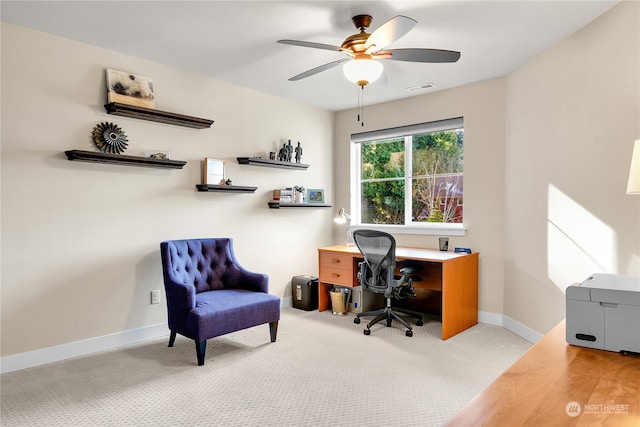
(235, 41)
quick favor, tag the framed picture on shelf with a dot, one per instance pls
(131, 89)
(213, 173)
(315, 195)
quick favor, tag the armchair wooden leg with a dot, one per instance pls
(172, 338)
(273, 329)
(201, 347)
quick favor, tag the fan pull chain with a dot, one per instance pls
(358, 95)
(361, 105)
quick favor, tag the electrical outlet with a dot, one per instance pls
(155, 297)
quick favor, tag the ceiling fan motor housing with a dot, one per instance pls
(355, 43)
(362, 21)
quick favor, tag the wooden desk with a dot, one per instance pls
(451, 277)
(555, 380)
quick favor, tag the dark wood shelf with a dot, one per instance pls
(229, 188)
(153, 115)
(99, 157)
(257, 161)
(278, 205)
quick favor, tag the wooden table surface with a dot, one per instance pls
(557, 384)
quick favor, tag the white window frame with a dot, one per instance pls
(427, 228)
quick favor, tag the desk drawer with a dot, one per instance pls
(336, 261)
(336, 276)
(336, 268)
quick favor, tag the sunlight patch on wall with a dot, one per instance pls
(578, 243)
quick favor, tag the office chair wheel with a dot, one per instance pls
(419, 322)
(367, 331)
(356, 320)
(409, 333)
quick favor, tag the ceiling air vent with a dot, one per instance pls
(423, 86)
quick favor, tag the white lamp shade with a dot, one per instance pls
(342, 217)
(340, 220)
(633, 187)
(362, 71)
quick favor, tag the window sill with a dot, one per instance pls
(431, 229)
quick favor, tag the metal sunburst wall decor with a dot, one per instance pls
(109, 138)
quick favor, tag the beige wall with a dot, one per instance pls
(80, 241)
(572, 116)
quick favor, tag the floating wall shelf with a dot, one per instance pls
(278, 205)
(257, 161)
(98, 157)
(153, 115)
(229, 188)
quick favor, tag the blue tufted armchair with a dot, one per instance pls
(209, 294)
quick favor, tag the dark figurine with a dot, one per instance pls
(282, 153)
(228, 182)
(289, 151)
(298, 152)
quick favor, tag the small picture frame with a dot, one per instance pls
(213, 172)
(131, 89)
(315, 195)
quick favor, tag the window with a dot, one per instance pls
(410, 176)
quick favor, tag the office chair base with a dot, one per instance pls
(408, 333)
(389, 315)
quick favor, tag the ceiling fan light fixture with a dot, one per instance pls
(362, 71)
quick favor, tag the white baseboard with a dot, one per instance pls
(286, 302)
(490, 318)
(509, 324)
(43, 356)
(521, 330)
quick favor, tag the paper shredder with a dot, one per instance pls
(304, 290)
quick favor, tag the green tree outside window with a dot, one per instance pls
(436, 179)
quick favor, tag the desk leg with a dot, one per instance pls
(459, 295)
(324, 299)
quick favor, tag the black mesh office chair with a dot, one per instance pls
(377, 274)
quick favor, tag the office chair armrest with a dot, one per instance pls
(406, 271)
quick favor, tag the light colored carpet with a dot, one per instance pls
(322, 371)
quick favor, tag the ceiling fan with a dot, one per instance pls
(364, 50)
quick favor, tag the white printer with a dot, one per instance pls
(603, 312)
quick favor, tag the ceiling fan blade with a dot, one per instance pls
(389, 32)
(420, 55)
(311, 44)
(316, 70)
